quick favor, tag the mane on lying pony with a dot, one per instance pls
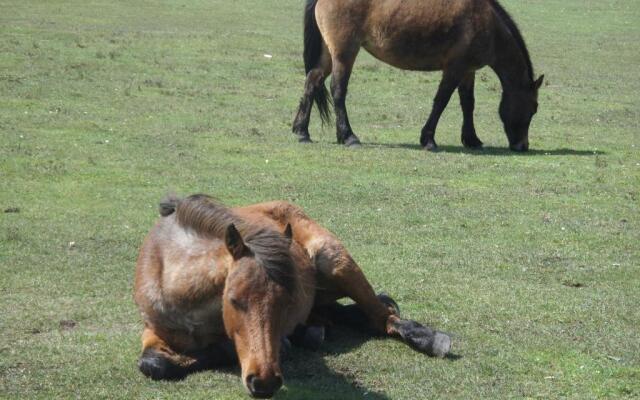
(207, 217)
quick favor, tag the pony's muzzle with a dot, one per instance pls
(265, 387)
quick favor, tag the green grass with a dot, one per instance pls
(530, 261)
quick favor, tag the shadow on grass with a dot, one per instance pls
(307, 375)
(492, 151)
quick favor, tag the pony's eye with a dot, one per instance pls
(238, 304)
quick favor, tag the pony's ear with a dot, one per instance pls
(234, 242)
(288, 231)
(538, 83)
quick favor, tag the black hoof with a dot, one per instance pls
(303, 137)
(424, 339)
(427, 140)
(157, 367)
(308, 337)
(431, 146)
(472, 142)
(314, 337)
(520, 148)
(440, 345)
(352, 141)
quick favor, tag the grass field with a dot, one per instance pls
(530, 261)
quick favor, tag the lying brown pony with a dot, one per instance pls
(215, 284)
(457, 37)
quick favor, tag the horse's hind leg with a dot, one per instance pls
(313, 87)
(467, 102)
(353, 316)
(339, 276)
(448, 84)
(342, 275)
(342, 66)
(420, 337)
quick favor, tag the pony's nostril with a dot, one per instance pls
(251, 380)
(263, 388)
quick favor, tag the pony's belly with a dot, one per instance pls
(412, 61)
(422, 50)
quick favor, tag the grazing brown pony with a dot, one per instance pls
(215, 284)
(457, 37)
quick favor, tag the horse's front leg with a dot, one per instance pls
(342, 66)
(448, 84)
(160, 361)
(467, 102)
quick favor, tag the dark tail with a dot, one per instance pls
(168, 205)
(312, 54)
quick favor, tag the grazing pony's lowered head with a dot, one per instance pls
(258, 292)
(517, 108)
(519, 101)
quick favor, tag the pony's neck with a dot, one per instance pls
(510, 64)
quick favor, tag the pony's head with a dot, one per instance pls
(257, 299)
(517, 108)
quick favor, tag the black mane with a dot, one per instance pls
(205, 216)
(515, 32)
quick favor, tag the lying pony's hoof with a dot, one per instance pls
(314, 337)
(441, 345)
(308, 337)
(422, 338)
(156, 366)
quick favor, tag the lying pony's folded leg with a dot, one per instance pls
(159, 361)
